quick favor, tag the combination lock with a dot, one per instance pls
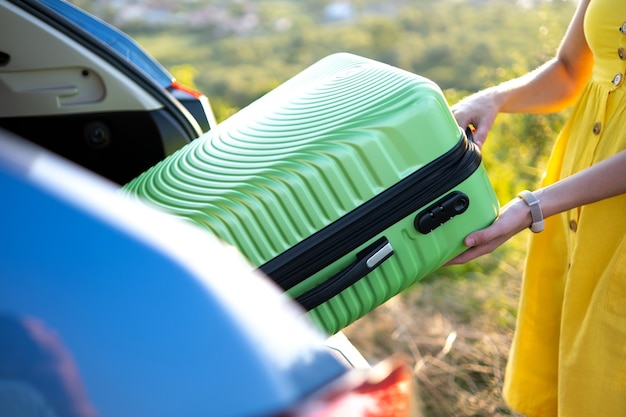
(440, 212)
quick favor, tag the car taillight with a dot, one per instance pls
(386, 390)
(196, 103)
(175, 85)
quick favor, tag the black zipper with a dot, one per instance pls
(344, 235)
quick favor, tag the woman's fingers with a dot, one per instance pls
(514, 217)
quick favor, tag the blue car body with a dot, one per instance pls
(126, 311)
(110, 307)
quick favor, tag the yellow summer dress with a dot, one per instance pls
(568, 357)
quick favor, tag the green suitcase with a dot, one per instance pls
(346, 184)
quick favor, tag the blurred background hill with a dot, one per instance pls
(235, 51)
(455, 326)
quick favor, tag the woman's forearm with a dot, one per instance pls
(602, 180)
(548, 89)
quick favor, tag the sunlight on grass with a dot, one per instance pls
(455, 326)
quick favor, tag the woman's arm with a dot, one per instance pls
(551, 87)
(598, 182)
(557, 84)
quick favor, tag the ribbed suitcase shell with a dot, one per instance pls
(276, 178)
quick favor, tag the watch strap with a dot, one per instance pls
(535, 210)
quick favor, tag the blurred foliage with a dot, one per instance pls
(252, 46)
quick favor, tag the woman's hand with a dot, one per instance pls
(478, 110)
(513, 218)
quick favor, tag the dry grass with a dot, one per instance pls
(455, 327)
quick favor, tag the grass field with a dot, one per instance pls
(455, 329)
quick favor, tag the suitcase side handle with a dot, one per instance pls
(366, 261)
